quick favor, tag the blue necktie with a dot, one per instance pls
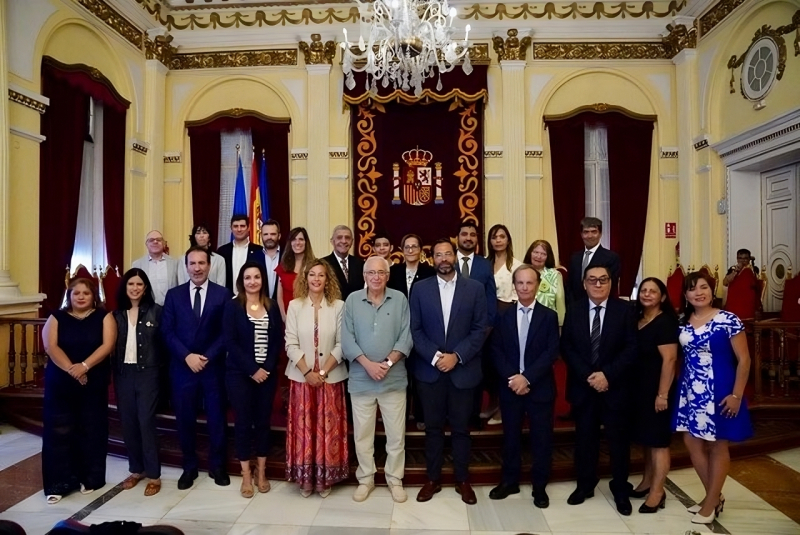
(197, 308)
(523, 336)
(595, 336)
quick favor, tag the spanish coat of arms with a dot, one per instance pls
(417, 182)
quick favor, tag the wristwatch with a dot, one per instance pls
(322, 373)
(389, 362)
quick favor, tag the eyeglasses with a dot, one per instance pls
(446, 254)
(373, 273)
(594, 281)
(411, 247)
(155, 240)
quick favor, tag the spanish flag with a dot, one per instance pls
(259, 201)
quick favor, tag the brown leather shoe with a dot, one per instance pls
(467, 494)
(428, 490)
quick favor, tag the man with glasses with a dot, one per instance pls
(448, 325)
(375, 340)
(161, 269)
(598, 343)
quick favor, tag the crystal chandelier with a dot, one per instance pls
(407, 40)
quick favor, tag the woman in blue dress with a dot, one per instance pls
(711, 411)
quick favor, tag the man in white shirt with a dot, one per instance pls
(239, 251)
(271, 239)
(161, 269)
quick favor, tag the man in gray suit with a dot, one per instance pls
(159, 266)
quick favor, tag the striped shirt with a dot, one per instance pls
(262, 339)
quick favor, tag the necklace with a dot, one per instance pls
(253, 307)
(701, 318)
(81, 317)
(642, 325)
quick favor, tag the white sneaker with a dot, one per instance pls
(398, 492)
(362, 492)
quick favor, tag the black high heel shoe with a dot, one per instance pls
(646, 509)
(639, 493)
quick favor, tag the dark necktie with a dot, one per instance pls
(596, 334)
(344, 269)
(198, 304)
(465, 267)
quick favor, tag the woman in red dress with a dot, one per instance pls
(297, 256)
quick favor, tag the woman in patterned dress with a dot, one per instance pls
(316, 430)
(297, 256)
(711, 411)
(253, 340)
(551, 288)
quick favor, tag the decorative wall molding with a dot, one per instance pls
(140, 146)
(534, 151)
(492, 151)
(534, 176)
(715, 15)
(159, 48)
(173, 180)
(493, 176)
(703, 169)
(338, 177)
(777, 133)
(114, 20)
(701, 142)
(243, 58)
(574, 10)
(317, 52)
(512, 48)
(679, 38)
(140, 173)
(668, 153)
(338, 153)
(299, 154)
(37, 138)
(27, 99)
(600, 51)
(298, 177)
(172, 157)
(668, 177)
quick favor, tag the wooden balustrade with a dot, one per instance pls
(776, 352)
(26, 355)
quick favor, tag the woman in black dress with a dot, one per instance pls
(75, 418)
(653, 389)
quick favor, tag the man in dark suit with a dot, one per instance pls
(239, 251)
(598, 343)
(593, 254)
(349, 269)
(270, 240)
(524, 347)
(448, 326)
(192, 328)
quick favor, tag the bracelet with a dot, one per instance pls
(661, 396)
(736, 397)
(85, 365)
(309, 371)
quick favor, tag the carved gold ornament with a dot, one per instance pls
(26, 101)
(246, 58)
(318, 53)
(574, 10)
(159, 48)
(679, 37)
(715, 15)
(114, 20)
(600, 51)
(512, 48)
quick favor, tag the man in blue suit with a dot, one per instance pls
(192, 328)
(524, 348)
(477, 268)
(448, 326)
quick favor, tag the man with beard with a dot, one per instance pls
(270, 239)
(448, 326)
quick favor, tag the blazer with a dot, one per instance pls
(355, 272)
(274, 294)
(255, 253)
(185, 334)
(541, 349)
(216, 273)
(150, 350)
(618, 350)
(397, 276)
(300, 337)
(173, 269)
(601, 257)
(482, 271)
(240, 337)
(466, 330)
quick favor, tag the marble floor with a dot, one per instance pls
(209, 509)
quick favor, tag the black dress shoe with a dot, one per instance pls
(502, 491)
(187, 479)
(220, 477)
(624, 506)
(639, 493)
(540, 498)
(646, 509)
(578, 496)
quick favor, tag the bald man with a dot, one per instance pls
(161, 269)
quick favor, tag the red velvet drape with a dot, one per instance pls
(629, 155)
(114, 191)
(206, 161)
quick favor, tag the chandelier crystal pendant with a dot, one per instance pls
(407, 41)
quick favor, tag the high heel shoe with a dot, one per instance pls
(700, 519)
(639, 493)
(247, 491)
(263, 483)
(646, 509)
(696, 507)
(720, 506)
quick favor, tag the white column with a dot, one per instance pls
(686, 98)
(318, 143)
(514, 194)
(154, 109)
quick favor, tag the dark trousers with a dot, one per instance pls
(186, 389)
(252, 407)
(413, 402)
(589, 415)
(74, 432)
(137, 400)
(443, 402)
(540, 417)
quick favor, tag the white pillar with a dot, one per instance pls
(686, 98)
(154, 109)
(319, 226)
(514, 194)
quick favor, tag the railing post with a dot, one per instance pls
(12, 354)
(23, 355)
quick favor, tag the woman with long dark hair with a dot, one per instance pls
(297, 256)
(77, 338)
(253, 337)
(711, 409)
(653, 393)
(201, 237)
(137, 362)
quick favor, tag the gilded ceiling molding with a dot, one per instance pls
(511, 48)
(600, 51)
(172, 157)
(571, 11)
(160, 48)
(600, 107)
(679, 37)
(318, 53)
(26, 101)
(246, 58)
(479, 54)
(114, 20)
(715, 15)
(668, 153)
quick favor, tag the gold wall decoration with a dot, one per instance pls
(511, 48)
(138, 147)
(114, 20)
(668, 154)
(245, 58)
(679, 37)
(534, 153)
(703, 143)
(479, 54)
(338, 155)
(600, 51)
(492, 154)
(160, 48)
(467, 173)
(715, 15)
(575, 10)
(318, 53)
(366, 180)
(26, 101)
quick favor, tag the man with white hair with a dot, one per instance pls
(161, 269)
(348, 268)
(376, 338)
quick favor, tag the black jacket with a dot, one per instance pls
(150, 349)
(397, 276)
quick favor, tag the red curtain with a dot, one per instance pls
(629, 154)
(114, 183)
(206, 161)
(467, 87)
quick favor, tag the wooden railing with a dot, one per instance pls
(26, 355)
(776, 352)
